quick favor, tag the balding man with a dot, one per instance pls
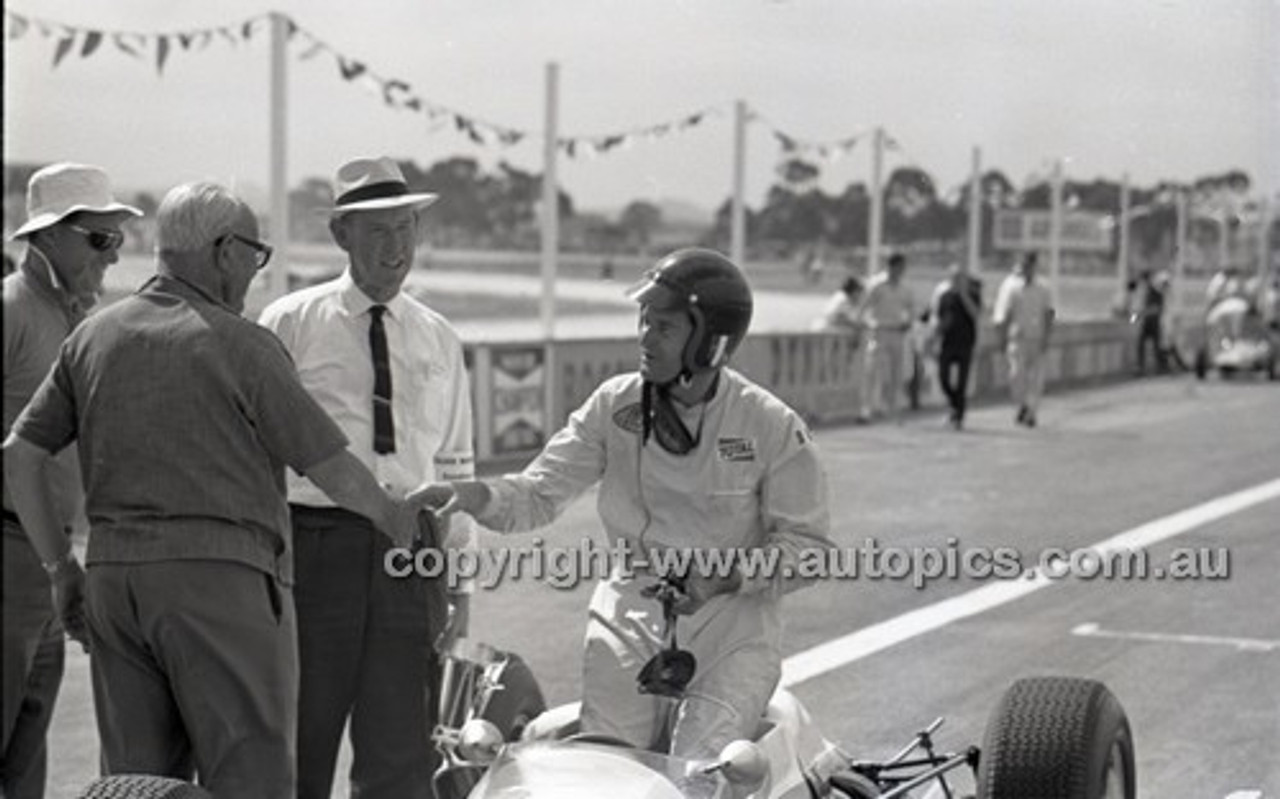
(185, 415)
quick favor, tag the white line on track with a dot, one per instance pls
(1093, 630)
(842, 651)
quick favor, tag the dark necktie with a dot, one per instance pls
(384, 433)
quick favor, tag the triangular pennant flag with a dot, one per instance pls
(350, 68)
(391, 88)
(122, 43)
(162, 52)
(229, 35)
(185, 40)
(290, 28)
(19, 27)
(413, 104)
(64, 46)
(91, 41)
(246, 30)
(315, 48)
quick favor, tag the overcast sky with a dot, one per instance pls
(1161, 89)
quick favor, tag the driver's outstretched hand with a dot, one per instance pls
(446, 499)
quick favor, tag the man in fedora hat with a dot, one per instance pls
(72, 235)
(390, 371)
(185, 414)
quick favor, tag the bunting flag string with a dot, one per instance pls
(157, 46)
(796, 147)
(393, 92)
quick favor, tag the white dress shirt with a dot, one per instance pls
(326, 330)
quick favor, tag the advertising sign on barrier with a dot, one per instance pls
(518, 399)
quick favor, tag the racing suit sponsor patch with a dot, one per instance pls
(629, 417)
(736, 449)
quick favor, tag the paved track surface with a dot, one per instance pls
(1196, 663)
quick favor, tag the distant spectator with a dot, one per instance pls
(1024, 321)
(840, 315)
(1224, 285)
(10, 265)
(887, 313)
(954, 310)
(1150, 316)
(1123, 307)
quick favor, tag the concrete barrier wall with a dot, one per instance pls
(818, 374)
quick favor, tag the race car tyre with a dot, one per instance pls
(1057, 738)
(141, 786)
(519, 702)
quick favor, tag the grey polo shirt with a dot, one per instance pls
(185, 415)
(37, 318)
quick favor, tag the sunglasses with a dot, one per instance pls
(261, 252)
(100, 240)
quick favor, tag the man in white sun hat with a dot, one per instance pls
(390, 371)
(72, 235)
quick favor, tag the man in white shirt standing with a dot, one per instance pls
(390, 371)
(1023, 318)
(886, 314)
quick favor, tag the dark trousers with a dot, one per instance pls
(195, 670)
(1149, 332)
(365, 642)
(33, 663)
(953, 377)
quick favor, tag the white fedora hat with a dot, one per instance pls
(372, 184)
(59, 190)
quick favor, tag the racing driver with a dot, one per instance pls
(689, 455)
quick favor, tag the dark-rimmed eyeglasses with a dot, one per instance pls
(100, 240)
(261, 251)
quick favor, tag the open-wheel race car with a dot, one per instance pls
(1048, 737)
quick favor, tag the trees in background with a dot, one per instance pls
(499, 209)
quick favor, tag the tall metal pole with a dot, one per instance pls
(975, 213)
(738, 208)
(1122, 256)
(278, 275)
(550, 206)
(1055, 232)
(550, 247)
(1179, 252)
(877, 202)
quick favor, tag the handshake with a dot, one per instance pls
(420, 520)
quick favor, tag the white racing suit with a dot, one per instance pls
(753, 482)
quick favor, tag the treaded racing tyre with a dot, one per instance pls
(1057, 738)
(141, 786)
(520, 700)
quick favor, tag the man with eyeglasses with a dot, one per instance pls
(391, 372)
(72, 235)
(184, 415)
(689, 456)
